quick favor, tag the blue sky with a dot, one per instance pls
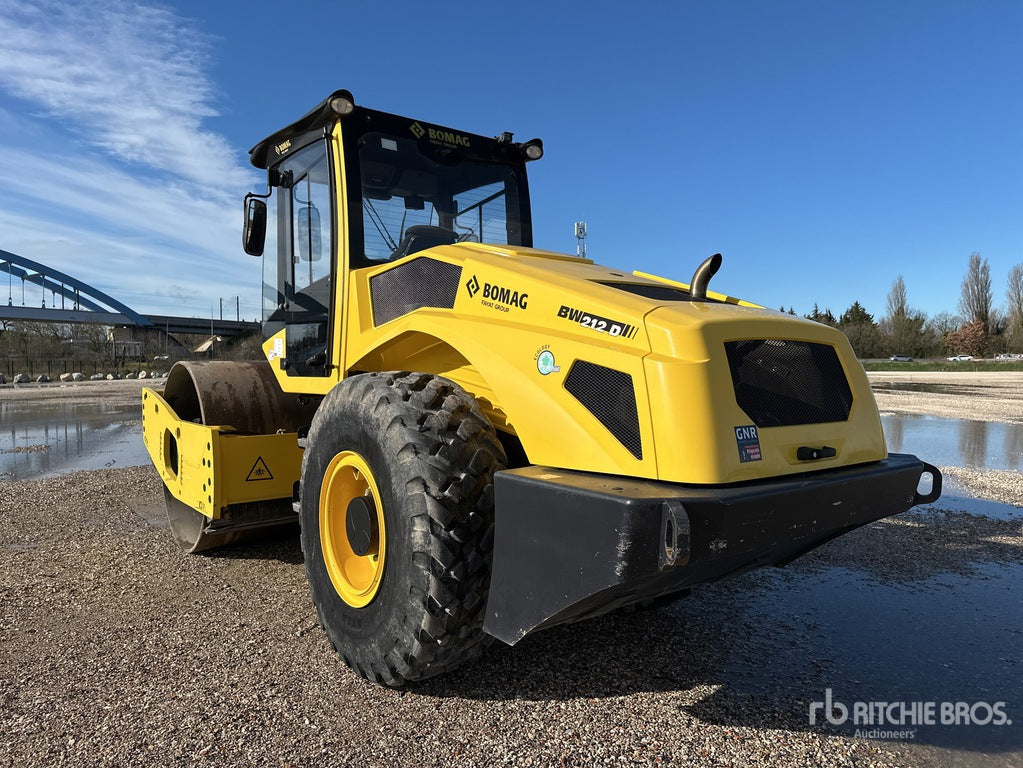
(823, 147)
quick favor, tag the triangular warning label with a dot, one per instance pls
(259, 471)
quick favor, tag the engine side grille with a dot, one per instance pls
(610, 396)
(655, 292)
(781, 383)
(413, 285)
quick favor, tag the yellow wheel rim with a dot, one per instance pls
(355, 577)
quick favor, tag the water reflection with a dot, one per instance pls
(973, 442)
(955, 442)
(56, 438)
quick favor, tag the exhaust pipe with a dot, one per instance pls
(702, 276)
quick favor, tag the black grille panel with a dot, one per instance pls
(781, 383)
(413, 285)
(609, 395)
(655, 292)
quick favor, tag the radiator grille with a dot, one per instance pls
(413, 285)
(610, 396)
(781, 383)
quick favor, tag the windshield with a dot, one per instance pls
(416, 195)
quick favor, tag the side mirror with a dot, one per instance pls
(254, 227)
(309, 233)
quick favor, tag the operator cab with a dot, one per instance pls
(357, 188)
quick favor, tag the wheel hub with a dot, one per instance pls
(353, 536)
(360, 524)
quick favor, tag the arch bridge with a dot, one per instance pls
(82, 303)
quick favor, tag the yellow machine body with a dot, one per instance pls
(526, 435)
(513, 323)
(672, 351)
(211, 468)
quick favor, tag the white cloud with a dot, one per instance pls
(132, 270)
(130, 78)
(117, 201)
(110, 175)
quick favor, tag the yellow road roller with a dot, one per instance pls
(481, 439)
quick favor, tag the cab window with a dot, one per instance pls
(414, 197)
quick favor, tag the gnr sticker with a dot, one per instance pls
(748, 442)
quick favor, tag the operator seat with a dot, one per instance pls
(420, 237)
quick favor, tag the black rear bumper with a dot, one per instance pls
(570, 545)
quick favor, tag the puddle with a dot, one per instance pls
(41, 441)
(936, 389)
(945, 638)
(955, 498)
(955, 442)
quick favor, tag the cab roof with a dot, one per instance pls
(326, 112)
(319, 116)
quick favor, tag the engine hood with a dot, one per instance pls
(609, 306)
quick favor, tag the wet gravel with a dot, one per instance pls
(117, 649)
(1005, 486)
(111, 393)
(974, 395)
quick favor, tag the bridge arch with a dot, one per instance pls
(90, 305)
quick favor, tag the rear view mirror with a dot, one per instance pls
(254, 227)
(309, 233)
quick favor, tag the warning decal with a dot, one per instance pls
(748, 442)
(259, 471)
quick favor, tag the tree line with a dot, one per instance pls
(37, 348)
(979, 329)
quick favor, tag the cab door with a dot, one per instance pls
(305, 259)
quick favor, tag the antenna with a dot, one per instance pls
(580, 236)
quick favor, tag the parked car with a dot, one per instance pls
(1009, 356)
(960, 359)
(901, 359)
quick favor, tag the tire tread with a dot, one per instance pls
(439, 429)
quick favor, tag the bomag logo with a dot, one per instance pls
(496, 296)
(448, 137)
(417, 130)
(503, 295)
(283, 147)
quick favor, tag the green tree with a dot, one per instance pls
(859, 327)
(826, 317)
(855, 315)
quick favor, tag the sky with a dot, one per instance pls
(825, 148)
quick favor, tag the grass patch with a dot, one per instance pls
(994, 366)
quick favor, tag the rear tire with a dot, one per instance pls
(421, 454)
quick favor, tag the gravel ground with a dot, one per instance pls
(1004, 486)
(122, 392)
(117, 649)
(980, 396)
